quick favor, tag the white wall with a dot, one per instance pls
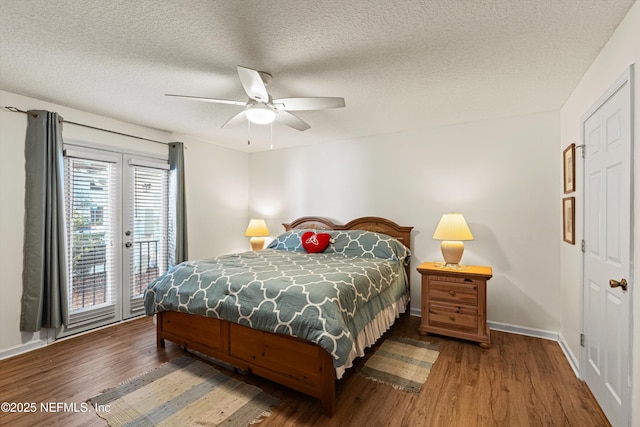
(622, 49)
(217, 197)
(502, 174)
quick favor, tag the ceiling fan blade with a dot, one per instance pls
(300, 104)
(236, 120)
(253, 84)
(289, 119)
(215, 100)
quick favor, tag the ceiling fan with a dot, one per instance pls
(260, 108)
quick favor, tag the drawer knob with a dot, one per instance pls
(452, 317)
(452, 293)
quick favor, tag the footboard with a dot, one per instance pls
(289, 361)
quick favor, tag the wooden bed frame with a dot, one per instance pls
(290, 361)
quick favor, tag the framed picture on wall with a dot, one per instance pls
(569, 220)
(569, 168)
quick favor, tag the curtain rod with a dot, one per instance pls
(17, 110)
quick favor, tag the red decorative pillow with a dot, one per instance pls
(315, 242)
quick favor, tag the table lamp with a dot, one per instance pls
(257, 230)
(452, 230)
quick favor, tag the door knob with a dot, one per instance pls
(129, 244)
(622, 283)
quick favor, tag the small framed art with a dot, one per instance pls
(569, 220)
(569, 168)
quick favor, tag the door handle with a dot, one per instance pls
(128, 244)
(622, 283)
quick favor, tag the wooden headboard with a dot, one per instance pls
(368, 223)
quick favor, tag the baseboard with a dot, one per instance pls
(47, 337)
(573, 361)
(515, 329)
(539, 333)
(524, 330)
(23, 348)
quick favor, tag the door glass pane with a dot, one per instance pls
(90, 227)
(150, 220)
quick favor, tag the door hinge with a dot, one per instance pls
(581, 340)
(583, 246)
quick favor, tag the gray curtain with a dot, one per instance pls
(178, 244)
(44, 274)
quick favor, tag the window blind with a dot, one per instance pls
(149, 219)
(91, 193)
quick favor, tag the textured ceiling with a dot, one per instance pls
(399, 64)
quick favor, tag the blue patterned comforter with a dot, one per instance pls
(326, 298)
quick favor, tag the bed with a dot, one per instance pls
(314, 313)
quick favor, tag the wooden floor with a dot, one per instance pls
(520, 381)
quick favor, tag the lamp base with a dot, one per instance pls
(452, 251)
(257, 243)
(449, 266)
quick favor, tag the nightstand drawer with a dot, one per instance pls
(467, 281)
(453, 317)
(457, 293)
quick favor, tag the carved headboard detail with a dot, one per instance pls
(381, 225)
(311, 222)
(368, 223)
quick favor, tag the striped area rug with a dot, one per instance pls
(402, 363)
(183, 392)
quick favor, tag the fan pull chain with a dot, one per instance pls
(271, 143)
(248, 132)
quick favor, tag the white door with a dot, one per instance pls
(117, 226)
(145, 229)
(608, 250)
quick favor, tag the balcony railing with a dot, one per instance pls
(146, 264)
(89, 281)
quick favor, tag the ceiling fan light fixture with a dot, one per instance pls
(260, 114)
(262, 109)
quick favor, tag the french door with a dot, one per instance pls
(117, 226)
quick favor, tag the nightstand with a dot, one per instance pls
(454, 302)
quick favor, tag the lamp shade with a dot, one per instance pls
(257, 228)
(452, 226)
(260, 114)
